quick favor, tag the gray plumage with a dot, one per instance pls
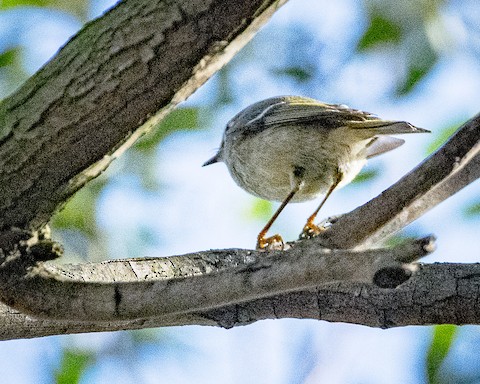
(287, 141)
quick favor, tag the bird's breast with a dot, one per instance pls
(264, 164)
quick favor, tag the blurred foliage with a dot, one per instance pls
(129, 350)
(11, 69)
(380, 30)
(8, 57)
(178, 119)
(442, 340)
(5, 4)
(79, 212)
(367, 174)
(73, 365)
(472, 210)
(418, 68)
(296, 73)
(260, 210)
(441, 136)
(405, 29)
(78, 8)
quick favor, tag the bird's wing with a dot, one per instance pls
(311, 112)
(308, 113)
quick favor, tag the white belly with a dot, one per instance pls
(264, 164)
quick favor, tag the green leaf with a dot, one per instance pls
(8, 57)
(261, 209)
(442, 340)
(76, 7)
(17, 3)
(366, 175)
(296, 73)
(79, 212)
(472, 210)
(74, 363)
(441, 137)
(418, 68)
(380, 31)
(178, 119)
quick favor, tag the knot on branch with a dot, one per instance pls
(391, 277)
(31, 246)
(397, 267)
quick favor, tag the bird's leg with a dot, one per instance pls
(275, 242)
(311, 229)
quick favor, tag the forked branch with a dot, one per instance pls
(88, 104)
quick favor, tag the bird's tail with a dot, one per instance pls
(386, 127)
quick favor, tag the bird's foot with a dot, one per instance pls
(311, 230)
(272, 243)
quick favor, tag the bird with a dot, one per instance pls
(295, 148)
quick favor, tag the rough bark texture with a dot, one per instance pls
(117, 78)
(146, 288)
(437, 293)
(137, 61)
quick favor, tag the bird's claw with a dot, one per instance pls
(272, 243)
(310, 230)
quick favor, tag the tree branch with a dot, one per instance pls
(70, 120)
(123, 71)
(145, 288)
(435, 294)
(455, 165)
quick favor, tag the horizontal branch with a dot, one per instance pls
(146, 288)
(441, 293)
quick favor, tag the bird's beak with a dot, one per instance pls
(213, 160)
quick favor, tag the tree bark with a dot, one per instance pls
(437, 293)
(113, 81)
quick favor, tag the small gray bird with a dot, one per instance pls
(293, 149)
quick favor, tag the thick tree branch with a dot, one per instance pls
(145, 288)
(82, 109)
(435, 294)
